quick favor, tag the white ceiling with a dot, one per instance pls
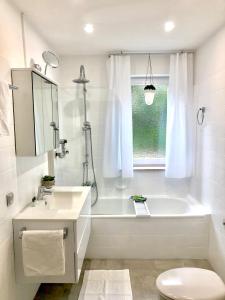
(123, 24)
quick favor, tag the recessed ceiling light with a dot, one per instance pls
(169, 26)
(89, 28)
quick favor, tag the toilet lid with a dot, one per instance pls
(191, 284)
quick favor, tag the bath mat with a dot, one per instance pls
(106, 285)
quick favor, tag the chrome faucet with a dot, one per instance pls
(42, 191)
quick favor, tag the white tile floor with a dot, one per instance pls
(143, 274)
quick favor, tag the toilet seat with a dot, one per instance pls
(190, 284)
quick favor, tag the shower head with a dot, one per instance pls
(82, 79)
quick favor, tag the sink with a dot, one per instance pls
(61, 201)
(64, 203)
(64, 200)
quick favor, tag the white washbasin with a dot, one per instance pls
(61, 201)
(64, 200)
(64, 203)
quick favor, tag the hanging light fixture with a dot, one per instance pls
(149, 89)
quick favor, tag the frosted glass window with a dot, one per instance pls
(149, 125)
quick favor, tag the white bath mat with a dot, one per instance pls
(106, 285)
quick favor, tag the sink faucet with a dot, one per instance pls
(42, 191)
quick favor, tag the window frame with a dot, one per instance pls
(149, 163)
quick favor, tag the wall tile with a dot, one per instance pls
(149, 238)
(20, 176)
(209, 182)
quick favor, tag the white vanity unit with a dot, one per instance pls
(68, 208)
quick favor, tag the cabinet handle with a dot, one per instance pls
(65, 232)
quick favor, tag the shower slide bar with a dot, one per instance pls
(65, 232)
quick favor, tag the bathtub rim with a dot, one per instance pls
(192, 202)
(203, 215)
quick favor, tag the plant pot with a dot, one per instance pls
(48, 184)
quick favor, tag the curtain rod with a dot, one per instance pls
(149, 52)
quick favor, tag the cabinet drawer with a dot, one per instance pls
(84, 219)
(69, 276)
(82, 249)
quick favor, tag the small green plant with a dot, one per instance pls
(48, 178)
(138, 198)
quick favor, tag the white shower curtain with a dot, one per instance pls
(179, 162)
(118, 145)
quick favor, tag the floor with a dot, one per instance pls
(143, 274)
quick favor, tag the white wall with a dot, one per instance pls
(18, 175)
(209, 182)
(69, 170)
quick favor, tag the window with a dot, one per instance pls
(149, 124)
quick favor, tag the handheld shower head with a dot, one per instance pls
(82, 79)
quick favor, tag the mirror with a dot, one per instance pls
(45, 97)
(51, 59)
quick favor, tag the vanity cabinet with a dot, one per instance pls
(35, 105)
(78, 226)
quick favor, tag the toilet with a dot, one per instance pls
(190, 284)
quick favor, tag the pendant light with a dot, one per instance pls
(149, 89)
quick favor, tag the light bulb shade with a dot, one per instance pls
(149, 92)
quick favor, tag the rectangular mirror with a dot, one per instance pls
(35, 113)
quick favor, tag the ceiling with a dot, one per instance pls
(123, 24)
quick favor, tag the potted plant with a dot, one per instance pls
(48, 181)
(138, 198)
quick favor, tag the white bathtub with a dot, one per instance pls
(159, 206)
(176, 229)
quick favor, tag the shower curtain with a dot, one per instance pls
(179, 142)
(118, 144)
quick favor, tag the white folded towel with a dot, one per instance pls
(5, 101)
(43, 253)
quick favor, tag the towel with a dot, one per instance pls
(5, 101)
(43, 253)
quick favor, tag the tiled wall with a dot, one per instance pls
(18, 175)
(209, 181)
(69, 170)
(151, 238)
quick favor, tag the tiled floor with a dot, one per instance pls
(143, 274)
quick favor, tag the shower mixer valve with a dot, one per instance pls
(86, 126)
(63, 151)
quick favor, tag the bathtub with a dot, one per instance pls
(176, 229)
(159, 206)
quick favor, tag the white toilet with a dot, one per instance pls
(190, 284)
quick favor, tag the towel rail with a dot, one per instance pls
(65, 232)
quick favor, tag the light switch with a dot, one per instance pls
(9, 199)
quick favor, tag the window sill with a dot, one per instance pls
(149, 168)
